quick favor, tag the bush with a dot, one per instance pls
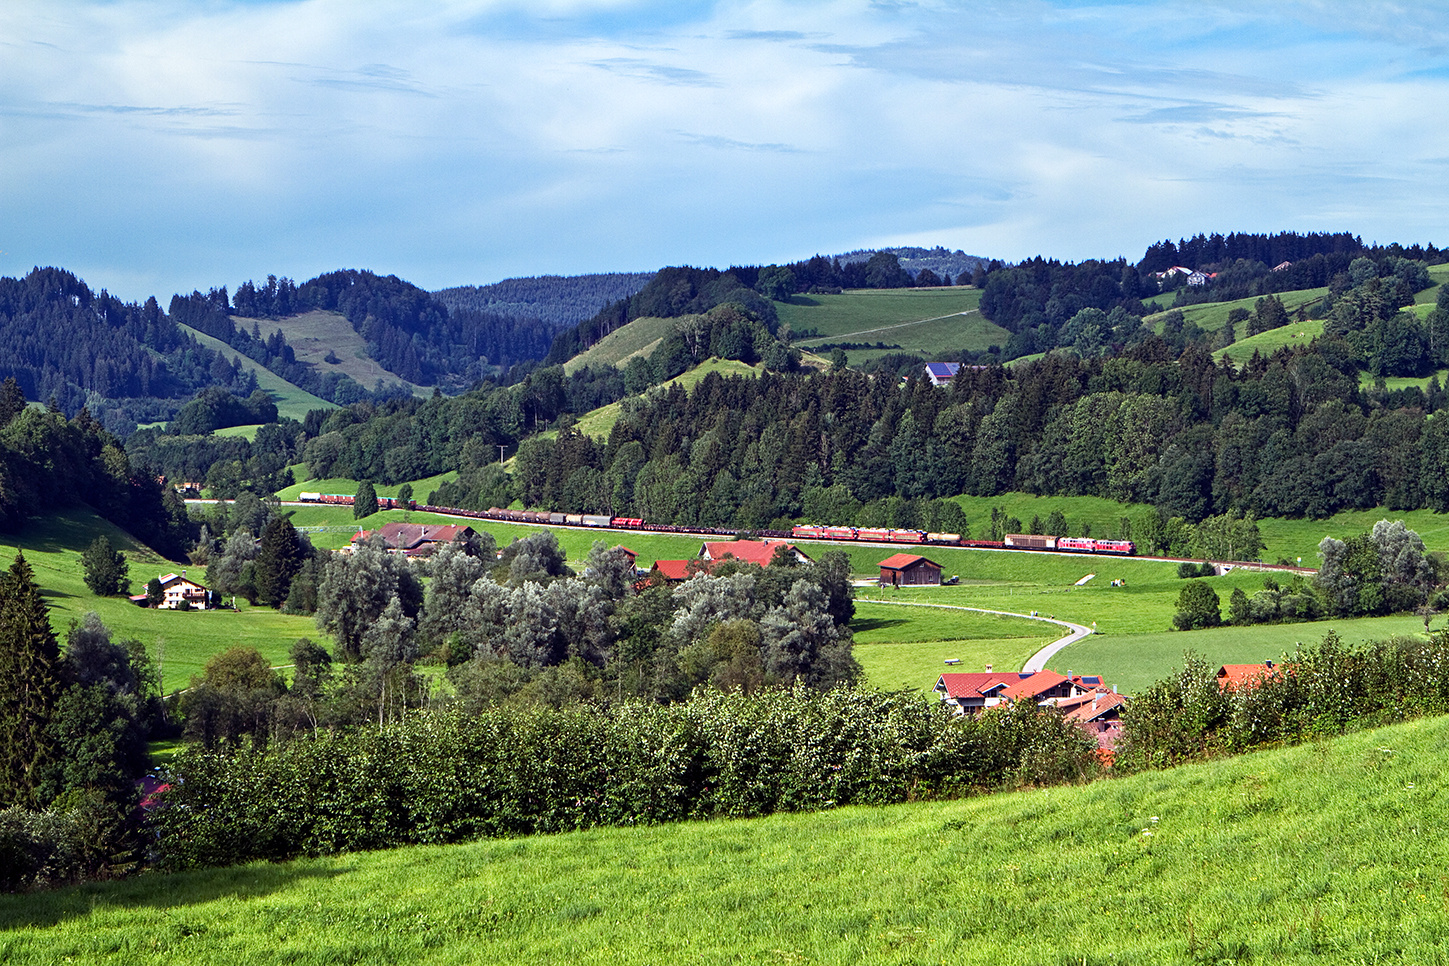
(445, 776)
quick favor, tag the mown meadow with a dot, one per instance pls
(1213, 862)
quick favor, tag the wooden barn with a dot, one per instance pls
(909, 570)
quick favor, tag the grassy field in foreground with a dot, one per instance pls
(1321, 853)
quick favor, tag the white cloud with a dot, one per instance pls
(178, 145)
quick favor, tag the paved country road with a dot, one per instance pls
(1038, 660)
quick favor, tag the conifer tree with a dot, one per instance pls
(29, 684)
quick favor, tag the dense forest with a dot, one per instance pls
(557, 301)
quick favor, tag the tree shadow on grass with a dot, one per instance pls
(162, 891)
(859, 625)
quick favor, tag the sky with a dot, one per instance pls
(157, 146)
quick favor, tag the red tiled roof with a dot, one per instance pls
(901, 561)
(672, 569)
(1031, 686)
(1089, 707)
(1241, 675)
(746, 551)
(975, 684)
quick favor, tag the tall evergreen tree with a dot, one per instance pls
(365, 503)
(278, 560)
(29, 685)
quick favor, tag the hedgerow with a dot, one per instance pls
(1325, 689)
(447, 776)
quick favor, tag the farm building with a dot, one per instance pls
(941, 373)
(749, 551)
(176, 588)
(909, 570)
(970, 692)
(1234, 676)
(416, 539)
(673, 571)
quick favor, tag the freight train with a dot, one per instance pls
(1012, 541)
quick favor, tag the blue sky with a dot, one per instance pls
(161, 146)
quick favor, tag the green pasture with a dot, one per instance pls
(1104, 515)
(248, 432)
(1368, 381)
(312, 335)
(638, 338)
(901, 647)
(1291, 539)
(600, 422)
(1211, 316)
(1133, 662)
(181, 641)
(421, 488)
(1322, 853)
(1266, 343)
(291, 400)
(927, 321)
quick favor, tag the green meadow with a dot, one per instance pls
(181, 642)
(928, 321)
(1219, 862)
(318, 334)
(291, 400)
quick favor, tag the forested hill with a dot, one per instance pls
(60, 341)
(558, 301)
(408, 331)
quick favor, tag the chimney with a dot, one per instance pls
(988, 669)
(1269, 663)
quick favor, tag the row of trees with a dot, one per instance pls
(1384, 571)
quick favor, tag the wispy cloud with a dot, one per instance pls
(464, 141)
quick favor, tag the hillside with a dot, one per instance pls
(935, 323)
(639, 338)
(558, 301)
(319, 334)
(1215, 862)
(291, 400)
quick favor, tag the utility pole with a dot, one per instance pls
(501, 448)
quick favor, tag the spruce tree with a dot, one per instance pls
(365, 503)
(29, 685)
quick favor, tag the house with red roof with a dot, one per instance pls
(909, 570)
(749, 551)
(971, 692)
(177, 593)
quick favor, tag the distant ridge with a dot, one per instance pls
(914, 260)
(557, 300)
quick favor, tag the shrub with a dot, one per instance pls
(447, 776)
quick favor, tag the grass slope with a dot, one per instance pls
(184, 641)
(639, 338)
(598, 423)
(291, 400)
(312, 335)
(1211, 316)
(1319, 853)
(929, 321)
